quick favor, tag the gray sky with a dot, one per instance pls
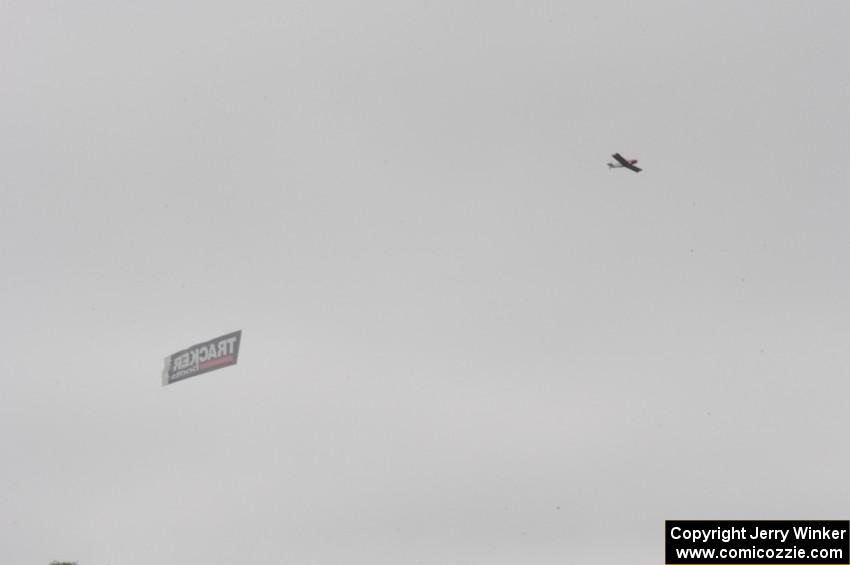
(464, 339)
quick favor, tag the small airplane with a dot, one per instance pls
(627, 163)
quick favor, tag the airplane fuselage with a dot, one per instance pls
(619, 166)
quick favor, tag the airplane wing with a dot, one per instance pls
(620, 159)
(625, 163)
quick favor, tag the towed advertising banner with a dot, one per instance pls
(202, 358)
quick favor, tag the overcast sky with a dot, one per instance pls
(465, 340)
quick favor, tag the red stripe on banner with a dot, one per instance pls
(216, 362)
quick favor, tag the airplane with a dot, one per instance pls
(629, 164)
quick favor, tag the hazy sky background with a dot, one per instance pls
(464, 339)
